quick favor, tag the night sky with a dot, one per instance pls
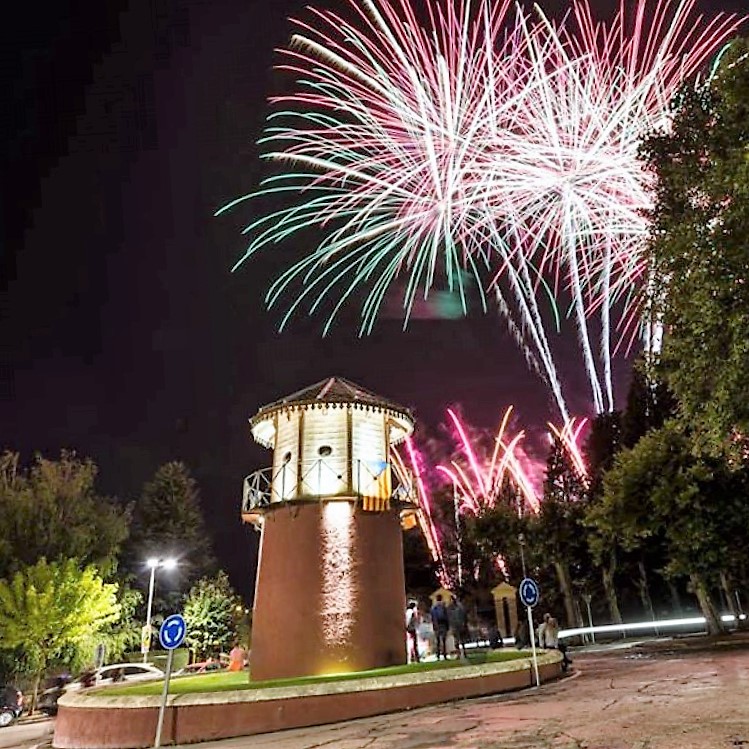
(123, 334)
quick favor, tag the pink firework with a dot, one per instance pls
(479, 481)
(569, 438)
(571, 176)
(424, 514)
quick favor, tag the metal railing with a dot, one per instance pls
(327, 478)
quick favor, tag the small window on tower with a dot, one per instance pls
(325, 451)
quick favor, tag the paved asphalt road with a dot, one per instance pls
(26, 734)
(667, 695)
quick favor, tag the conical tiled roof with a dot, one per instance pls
(336, 392)
(333, 390)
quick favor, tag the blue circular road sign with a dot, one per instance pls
(529, 592)
(172, 632)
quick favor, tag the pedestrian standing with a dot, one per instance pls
(458, 619)
(236, 658)
(412, 625)
(552, 641)
(541, 632)
(440, 624)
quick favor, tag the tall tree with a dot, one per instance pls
(48, 607)
(168, 522)
(700, 252)
(211, 616)
(557, 531)
(650, 403)
(602, 445)
(661, 490)
(493, 535)
(53, 510)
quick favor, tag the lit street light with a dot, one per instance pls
(153, 563)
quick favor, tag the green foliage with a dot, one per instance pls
(604, 441)
(649, 403)
(556, 533)
(696, 504)
(210, 615)
(700, 252)
(54, 511)
(168, 522)
(118, 637)
(14, 666)
(495, 530)
(123, 635)
(556, 530)
(48, 608)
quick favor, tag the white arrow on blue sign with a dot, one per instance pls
(172, 632)
(529, 592)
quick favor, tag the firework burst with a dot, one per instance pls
(478, 484)
(571, 177)
(380, 141)
(480, 146)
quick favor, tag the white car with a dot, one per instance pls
(118, 673)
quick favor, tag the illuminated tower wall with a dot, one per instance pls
(329, 594)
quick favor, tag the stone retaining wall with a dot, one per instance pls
(95, 721)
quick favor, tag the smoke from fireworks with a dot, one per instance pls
(485, 147)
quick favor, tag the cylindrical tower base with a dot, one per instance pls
(330, 591)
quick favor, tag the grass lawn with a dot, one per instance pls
(226, 681)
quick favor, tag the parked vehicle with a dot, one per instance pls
(117, 672)
(112, 674)
(11, 704)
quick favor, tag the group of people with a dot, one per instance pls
(453, 618)
(445, 619)
(547, 637)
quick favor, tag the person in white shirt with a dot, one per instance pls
(548, 636)
(541, 632)
(551, 633)
(412, 625)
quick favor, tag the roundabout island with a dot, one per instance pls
(125, 717)
(331, 511)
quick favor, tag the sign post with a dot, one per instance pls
(171, 636)
(530, 596)
(145, 639)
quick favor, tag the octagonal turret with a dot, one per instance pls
(332, 440)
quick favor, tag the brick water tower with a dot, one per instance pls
(330, 589)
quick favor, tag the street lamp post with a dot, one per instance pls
(153, 563)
